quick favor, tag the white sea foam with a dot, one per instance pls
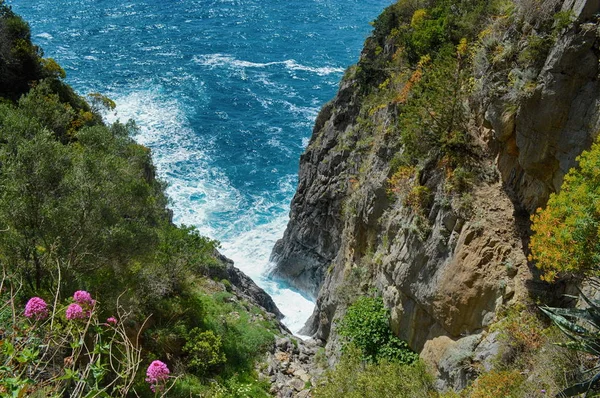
(305, 141)
(214, 60)
(250, 251)
(45, 35)
(200, 193)
(309, 113)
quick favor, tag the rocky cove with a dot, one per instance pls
(412, 226)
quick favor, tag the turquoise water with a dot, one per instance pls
(225, 93)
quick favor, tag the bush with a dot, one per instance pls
(204, 351)
(366, 327)
(497, 384)
(566, 237)
(244, 336)
(433, 122)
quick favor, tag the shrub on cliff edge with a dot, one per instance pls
(566, 236)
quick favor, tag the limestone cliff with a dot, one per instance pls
(446, 264)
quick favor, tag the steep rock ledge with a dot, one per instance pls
(312, 239)
(446, 271)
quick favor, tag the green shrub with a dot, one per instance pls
(352, 378)
(534, 54)
(433, 120)
(204, 351)
(366, 326)
(566, 236)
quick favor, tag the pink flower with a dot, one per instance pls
(36, 308)
(112, 321)
(157, 373)
(82, 297)
(74, 311)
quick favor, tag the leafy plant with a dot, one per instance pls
(366, 326)
(204, 349)
(433, 119)
(566, 237)
(582, 327)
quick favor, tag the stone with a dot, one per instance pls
(297, 384)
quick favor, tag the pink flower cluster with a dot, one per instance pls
(82, 307)
(74, 311)
(112, 321)
(36, 308)
(157, 373)
(82, 297)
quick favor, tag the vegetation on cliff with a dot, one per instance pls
(423, 127)
(566, 236)
(81, 209)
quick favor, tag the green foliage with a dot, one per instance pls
(536, 50)
(20, 60)
(366, 326)
(562, 20)
(52, 69)
(101, 102)
(352, 378)
(426, 34)
(566, 236)
(81, 207)
(433, 121)
(204, 351)
(88, 205)
(244, 336)
(236, 386)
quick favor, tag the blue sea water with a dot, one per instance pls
(225, 93)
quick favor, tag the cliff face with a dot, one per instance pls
(446, 265)
(538, 144)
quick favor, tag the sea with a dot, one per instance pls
(225, 93)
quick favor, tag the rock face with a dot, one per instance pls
(244, 286)
(445, 270)
(312, 240)
(558, 121)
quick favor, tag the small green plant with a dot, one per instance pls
(535, 53)
(562, 20)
